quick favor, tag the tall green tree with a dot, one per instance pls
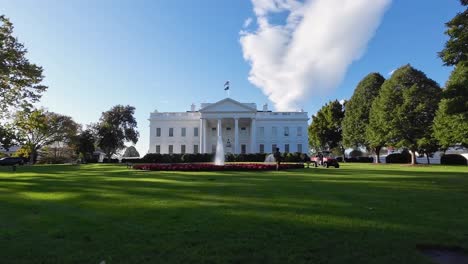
(405, 108)
(116, 126)
(41, 128)
(20, 80)
(325, 131)
(131, 152)
(451, 121)
(456, 48)
(8, 137)
(84, 144)
(356, 119)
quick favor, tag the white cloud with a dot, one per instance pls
(312, 50)
(391, 72)
(247, 22)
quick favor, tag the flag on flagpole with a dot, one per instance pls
(226, 86)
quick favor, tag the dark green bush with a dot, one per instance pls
(360, 159)
(355, 153)
(453, 159)
(207, 157)
(403, 157)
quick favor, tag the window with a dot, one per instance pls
(299, 131)
(171, 132)
(158, 149)
(171, 149)
(182, 149)
(274, 131)
(213, 148)
(273, 148)
(158, 131)
(213, 131)
(243, 149)
(286, 148)
(262, 148)
(243, 131)
(195, 131)
(299, 148)
(183, 132)
(195, 149)
(261, 132)
(286, 131)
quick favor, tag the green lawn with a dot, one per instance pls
(355, 214)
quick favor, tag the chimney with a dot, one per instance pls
(265, 107)
(192, 107)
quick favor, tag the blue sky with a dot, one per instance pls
(168, 54)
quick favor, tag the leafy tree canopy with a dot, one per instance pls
(20, 80)
(131, 152)
(40, 128)
(356, 118)
(116, 126)
(405, 108)
(456, 48)
(451, 121)
(325, 132)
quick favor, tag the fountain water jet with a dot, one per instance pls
(219, 157)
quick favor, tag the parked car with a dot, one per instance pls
(11, 161)
(325, 159)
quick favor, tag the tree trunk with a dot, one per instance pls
(377, 154)
(32, 157)
(413, 157)
(427, 156)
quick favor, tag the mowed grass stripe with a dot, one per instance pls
(360, 213)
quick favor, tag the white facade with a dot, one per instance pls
(244, 129)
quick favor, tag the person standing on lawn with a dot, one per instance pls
(277, 156)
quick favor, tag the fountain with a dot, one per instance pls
(270, 158)
(219, 158)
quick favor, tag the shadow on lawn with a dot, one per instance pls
(306, 216)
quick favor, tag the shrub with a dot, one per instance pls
(403, 157)
(453, 159)
(355, 153)
(212, 167)
(106, 160)
(360, 159)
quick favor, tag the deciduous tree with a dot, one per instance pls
(131, 152)
(404, 110)
(116, 126)
(325, 131)
(40, 128)
(456, 48)
(20, 80)
(356, 119)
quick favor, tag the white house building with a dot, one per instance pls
(244, 129)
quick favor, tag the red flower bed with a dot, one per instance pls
(212, 167)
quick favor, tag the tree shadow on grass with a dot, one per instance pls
(125, 216)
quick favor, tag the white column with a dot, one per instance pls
(204, 135)
(236, 136)
(253, 137)
(200, 135)
(220, 131)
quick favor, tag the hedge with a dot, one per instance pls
(209, 157)
(360, 159)
(453, 159)
(403, 157)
